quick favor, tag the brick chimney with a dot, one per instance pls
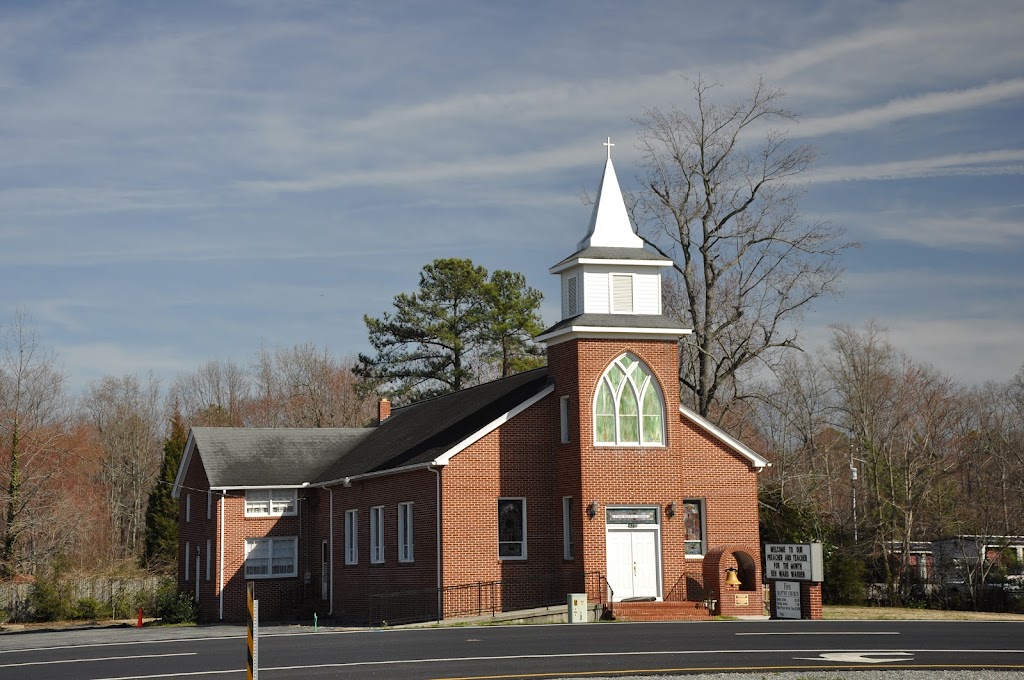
(383, 410)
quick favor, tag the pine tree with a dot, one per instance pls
(512, 323)
(162, 512)
(459, 328)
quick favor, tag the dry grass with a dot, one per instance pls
(843, 613)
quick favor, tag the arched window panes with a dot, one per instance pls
(628, 408)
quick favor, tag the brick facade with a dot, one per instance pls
(523, 458)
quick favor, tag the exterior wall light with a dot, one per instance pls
(670, 509)
(592, 509)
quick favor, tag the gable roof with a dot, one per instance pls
(426, 433)
(756, 460)
(419, 434)
(240, 457)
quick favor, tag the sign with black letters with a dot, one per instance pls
(793, 562)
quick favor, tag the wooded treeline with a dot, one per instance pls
(873, 451)
(85, 479)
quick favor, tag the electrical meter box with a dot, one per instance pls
(577, 608)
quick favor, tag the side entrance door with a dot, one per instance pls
(325, 570)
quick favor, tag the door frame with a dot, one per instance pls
(648, 518)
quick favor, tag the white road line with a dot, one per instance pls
(688, 652)
(129, 643)
(86, 660)
(125, 643)
(177, 675)
(824, 632)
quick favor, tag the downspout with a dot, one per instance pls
(330, 551)
(220, 560)
(437, 526)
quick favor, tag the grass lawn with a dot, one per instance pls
(844, 613)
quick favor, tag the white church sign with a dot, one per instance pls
(793, 562)
(787, 599)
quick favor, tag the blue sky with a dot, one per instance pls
(187, 181)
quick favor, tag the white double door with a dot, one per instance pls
(633, 563)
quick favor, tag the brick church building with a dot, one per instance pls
(584, 476)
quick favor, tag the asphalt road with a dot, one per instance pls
(492, 652)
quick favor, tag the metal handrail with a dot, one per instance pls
(484, 597)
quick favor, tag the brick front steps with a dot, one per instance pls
(660, 611)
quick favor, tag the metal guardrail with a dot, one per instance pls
(484, 598)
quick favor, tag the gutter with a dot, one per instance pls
(437, 527)
(330, 550)
(220, 560)
(347, 481)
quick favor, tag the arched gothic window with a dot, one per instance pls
(628, 408)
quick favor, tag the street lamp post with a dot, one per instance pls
(853, 493)
(853, 489)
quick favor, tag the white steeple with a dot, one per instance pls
(609, 224)
(611, 285)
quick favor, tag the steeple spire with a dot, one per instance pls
(609, 223)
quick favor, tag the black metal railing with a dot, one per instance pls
(485, 598)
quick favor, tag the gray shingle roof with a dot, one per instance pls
(421, 432)
(238, 456)
(605, 253)
(617, 321)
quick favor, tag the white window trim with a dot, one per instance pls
(377, 534)
(567, 547)
(351, 537)
(254, 497)
(653, 384)
(563, 414)
(188, 558)
(513, 557)
(406, 528)
(270, 551)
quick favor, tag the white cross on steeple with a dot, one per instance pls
(609, 145)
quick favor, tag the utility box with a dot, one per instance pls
(577, 608)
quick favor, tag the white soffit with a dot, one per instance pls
(571, 332)
(186, 458)
(611, 263)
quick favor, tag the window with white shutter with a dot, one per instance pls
(622, 294)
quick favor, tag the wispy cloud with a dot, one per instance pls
(981, 163)
(910, 107)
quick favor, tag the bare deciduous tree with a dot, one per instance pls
(34, 411)
(305, 386)
(126, 413)
(727, 213)
(214, 395)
